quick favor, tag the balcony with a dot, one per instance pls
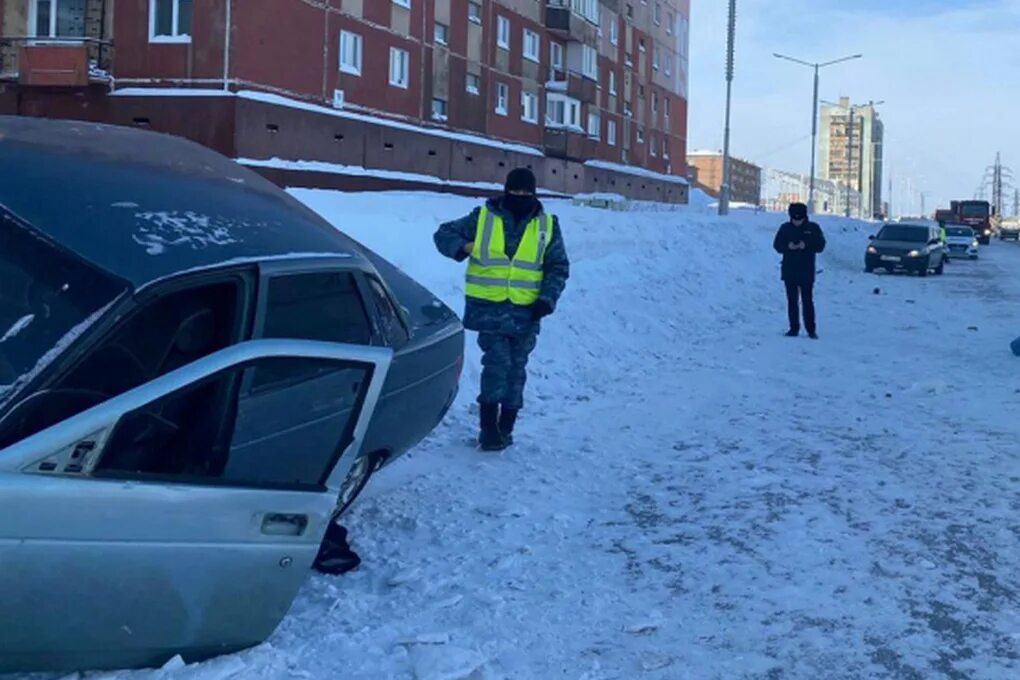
(573, 85)
(569, 25)
(566, 143)
(55, 62)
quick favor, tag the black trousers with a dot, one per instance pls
(805, 293)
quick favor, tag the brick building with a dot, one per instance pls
(745, 176)
(592, 94)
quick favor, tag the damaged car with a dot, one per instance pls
(197, 374)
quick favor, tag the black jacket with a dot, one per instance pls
(799, 264)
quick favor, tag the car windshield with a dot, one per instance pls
(47, 297)
(959, 231)
(895, 232)
(974, 210)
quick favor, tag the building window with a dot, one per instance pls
(61, 18)
(474, 84)
(562, 111)
(665, 148)
(503, 32)
(403, 3)
(630, 11)
(438, 109)
(400, 67)
(614, 31)
(350, 53)
(529, 107)
(669, 64)
(611, 133)
(556, 55)
(590, 62)
(666, 104)
(442, 34)
(626, 109)
(658, 13)
(532, 45)
(670, 20)
(589, 9)
(594, 126)
(474, 13)
(652, 148)
(641, 45)
(612, 82)
(655, 58)
(502, 98)
(640, 135)
(655, 104)
(169, 20)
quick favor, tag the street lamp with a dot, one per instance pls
(724, 192)
(814, 113)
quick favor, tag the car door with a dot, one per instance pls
(323, 303)
(127, 535)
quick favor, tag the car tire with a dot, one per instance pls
(355, 482)
(940, 270)
(868, 269)
(924, 271)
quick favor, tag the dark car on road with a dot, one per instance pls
(197, 373)
(916, 248)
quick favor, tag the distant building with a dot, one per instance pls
(781, 188)
(858, 164)
(745, 176)
(590, 94)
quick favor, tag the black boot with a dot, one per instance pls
(489, 437)
(335, 554)
(507, 419)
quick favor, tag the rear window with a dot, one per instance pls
(959, 231)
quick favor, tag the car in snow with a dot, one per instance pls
(916, 248)
(961, 242)
(197, 373)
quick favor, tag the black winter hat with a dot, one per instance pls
(520, 179)
(798, 211)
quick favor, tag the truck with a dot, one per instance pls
(978, 215)
(1010, 229)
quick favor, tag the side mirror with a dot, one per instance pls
(934, 241)
(871, 238)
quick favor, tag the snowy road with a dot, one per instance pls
(693, 495)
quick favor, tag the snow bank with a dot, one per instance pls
(691, 495)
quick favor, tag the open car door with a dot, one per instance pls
(157, 524)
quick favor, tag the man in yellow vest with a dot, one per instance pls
(517, 270)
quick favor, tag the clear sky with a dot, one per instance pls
(948, 70)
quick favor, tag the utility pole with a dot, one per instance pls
(814, 115)
(724, 193)
(997, 184)
(849, 158)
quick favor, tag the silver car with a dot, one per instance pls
(197, 374)
(961, 242)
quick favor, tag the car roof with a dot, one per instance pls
(144, 206)
(914, 225)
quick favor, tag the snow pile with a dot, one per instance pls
(692, 495)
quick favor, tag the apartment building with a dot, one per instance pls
(745, 176)
(592, 94)
(851, 149)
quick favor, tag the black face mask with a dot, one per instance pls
(520, 206)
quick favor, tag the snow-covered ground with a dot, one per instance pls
(692, 495)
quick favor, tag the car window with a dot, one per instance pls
(47, 298)
(392, 328)
(324, 306)
(164, 334)
(287, 437)
(893, 232)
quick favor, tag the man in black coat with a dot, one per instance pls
(799, 241)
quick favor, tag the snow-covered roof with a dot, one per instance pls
(635, 170)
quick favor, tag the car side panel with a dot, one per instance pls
(421, 386)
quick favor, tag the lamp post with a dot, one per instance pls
(724, 190)
(814, 113)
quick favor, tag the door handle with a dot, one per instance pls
(283, 524)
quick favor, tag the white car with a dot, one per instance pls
(961, 242)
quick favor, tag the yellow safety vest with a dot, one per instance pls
(492, 276)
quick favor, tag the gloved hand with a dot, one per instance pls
(541, 309)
